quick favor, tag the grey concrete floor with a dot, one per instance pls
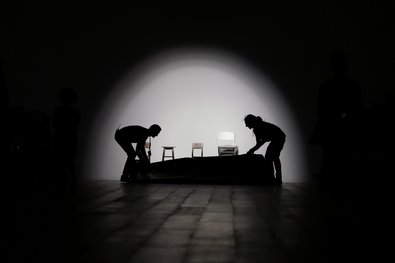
(107, 221)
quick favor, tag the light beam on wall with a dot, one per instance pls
(192, 94)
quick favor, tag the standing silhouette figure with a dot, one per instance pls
(337, 129)
(66, 122)
(267, 132)
(139, 135)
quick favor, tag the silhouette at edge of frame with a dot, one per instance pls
(267, 132)
(135, 134)
(66, 121)
(338, 131)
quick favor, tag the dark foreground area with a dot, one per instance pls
(212, 209)
(108, 221)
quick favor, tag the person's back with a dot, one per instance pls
(266, 132)
(134, 133)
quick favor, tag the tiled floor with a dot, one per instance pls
(106, 221)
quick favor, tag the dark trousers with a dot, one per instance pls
(126, 145)
(273, 156)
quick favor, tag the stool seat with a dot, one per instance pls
(168, 148)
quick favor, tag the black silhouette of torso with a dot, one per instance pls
(266, 132)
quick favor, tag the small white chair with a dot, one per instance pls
(226, 144)
(197, 146)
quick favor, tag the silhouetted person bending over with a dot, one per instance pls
(139, 135)
(267, 132)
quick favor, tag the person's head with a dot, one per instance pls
(250, 121)
(154, 130)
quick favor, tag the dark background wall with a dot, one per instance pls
(50, 45)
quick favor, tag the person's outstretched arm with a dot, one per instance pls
(258, 145)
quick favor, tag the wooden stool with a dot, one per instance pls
(168, 148)
(197, 146)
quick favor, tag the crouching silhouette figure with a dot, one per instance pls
(139, 135)
(267, 132)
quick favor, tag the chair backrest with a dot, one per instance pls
(197, 145)
(147, 144)
(226, 138)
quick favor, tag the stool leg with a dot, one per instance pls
(163, 155)
(172, 153)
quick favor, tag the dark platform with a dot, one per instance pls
(224, 169)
